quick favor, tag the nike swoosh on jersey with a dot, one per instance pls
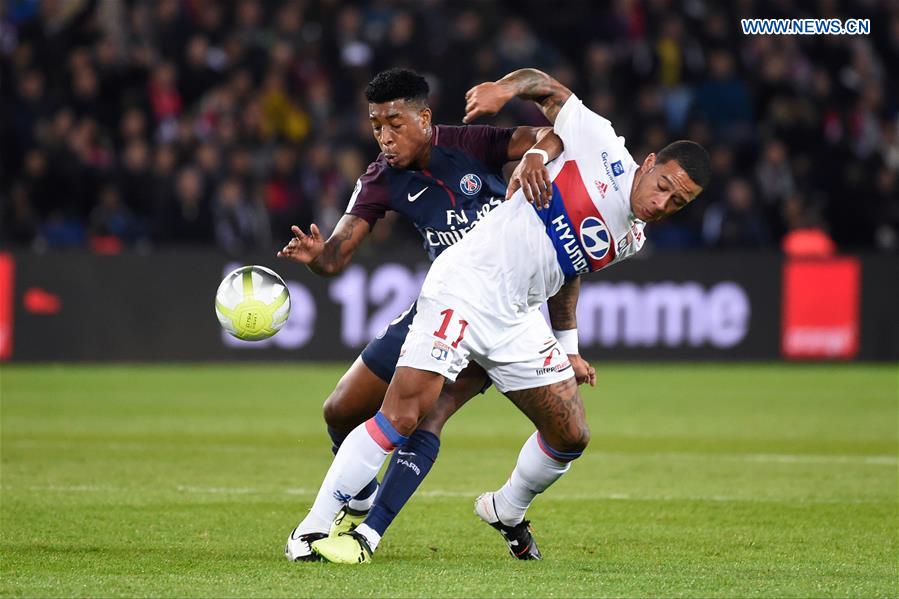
(399, 452)
(412, 198)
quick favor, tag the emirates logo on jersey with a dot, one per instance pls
(602, 187)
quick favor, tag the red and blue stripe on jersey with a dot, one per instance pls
(575, 226)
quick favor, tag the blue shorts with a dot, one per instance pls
(382, 353)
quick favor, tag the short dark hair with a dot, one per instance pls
(692, 157)
(397, 84)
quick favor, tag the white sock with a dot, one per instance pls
(356, 463)
(370, 534)
(533, 474)
(363, 505)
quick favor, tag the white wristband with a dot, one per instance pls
(540, 152)
(568, 340)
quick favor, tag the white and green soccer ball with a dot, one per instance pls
(252, 303)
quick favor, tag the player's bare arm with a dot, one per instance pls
(531, 175)
(529, 84)
(562, 309)
(327, 258)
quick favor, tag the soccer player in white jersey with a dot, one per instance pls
(480, 302)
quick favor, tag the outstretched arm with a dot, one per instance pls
(528, 84)
(563, 316)
(327, 258)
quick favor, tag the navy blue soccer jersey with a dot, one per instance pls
(462, 183)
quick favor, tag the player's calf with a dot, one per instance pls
(561, 438)
(558, 413)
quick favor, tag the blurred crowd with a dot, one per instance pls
(136, 124)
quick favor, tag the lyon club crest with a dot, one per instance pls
(595, 237)
(470, 184)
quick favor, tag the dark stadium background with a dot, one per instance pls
(134, 130)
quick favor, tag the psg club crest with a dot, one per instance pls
(595, 237)
(470, 184)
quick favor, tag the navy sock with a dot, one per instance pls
(409, 465)
(337, 438)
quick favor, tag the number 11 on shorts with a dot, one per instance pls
(447, 318)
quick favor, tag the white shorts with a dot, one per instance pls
(443, 338)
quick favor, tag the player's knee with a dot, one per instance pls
(336, 410)
(574, 438)
(403, 421)
(402, 409)
(331, 411)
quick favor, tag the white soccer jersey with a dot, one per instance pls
(589, 220)
(480, 297)
(518, 257)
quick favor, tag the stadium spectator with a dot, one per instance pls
(806, 237)
(100, 93)
(186, 214)
(737, 222)
(240, 223)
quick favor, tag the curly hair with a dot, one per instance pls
(397, 84)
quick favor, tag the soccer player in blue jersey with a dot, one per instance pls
(445, 179)
(480, 303)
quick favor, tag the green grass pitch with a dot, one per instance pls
(700, 480)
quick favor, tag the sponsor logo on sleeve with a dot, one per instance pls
(617, 168)
(602, 187)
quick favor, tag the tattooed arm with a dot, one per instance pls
(563, 306)
(327, 258)
(563, 316)
(528, 84)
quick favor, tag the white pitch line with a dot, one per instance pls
(760, 458)
(218, 490)
(471, 494)
(437, 493)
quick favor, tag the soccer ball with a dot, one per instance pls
(252, 303)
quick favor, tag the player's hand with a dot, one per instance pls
(532, 178)
(484, 99)
(303, 248)
(583, 372)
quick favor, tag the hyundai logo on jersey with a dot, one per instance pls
(594, 237)
(617, 168)
(575, 226)
(470, 184)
